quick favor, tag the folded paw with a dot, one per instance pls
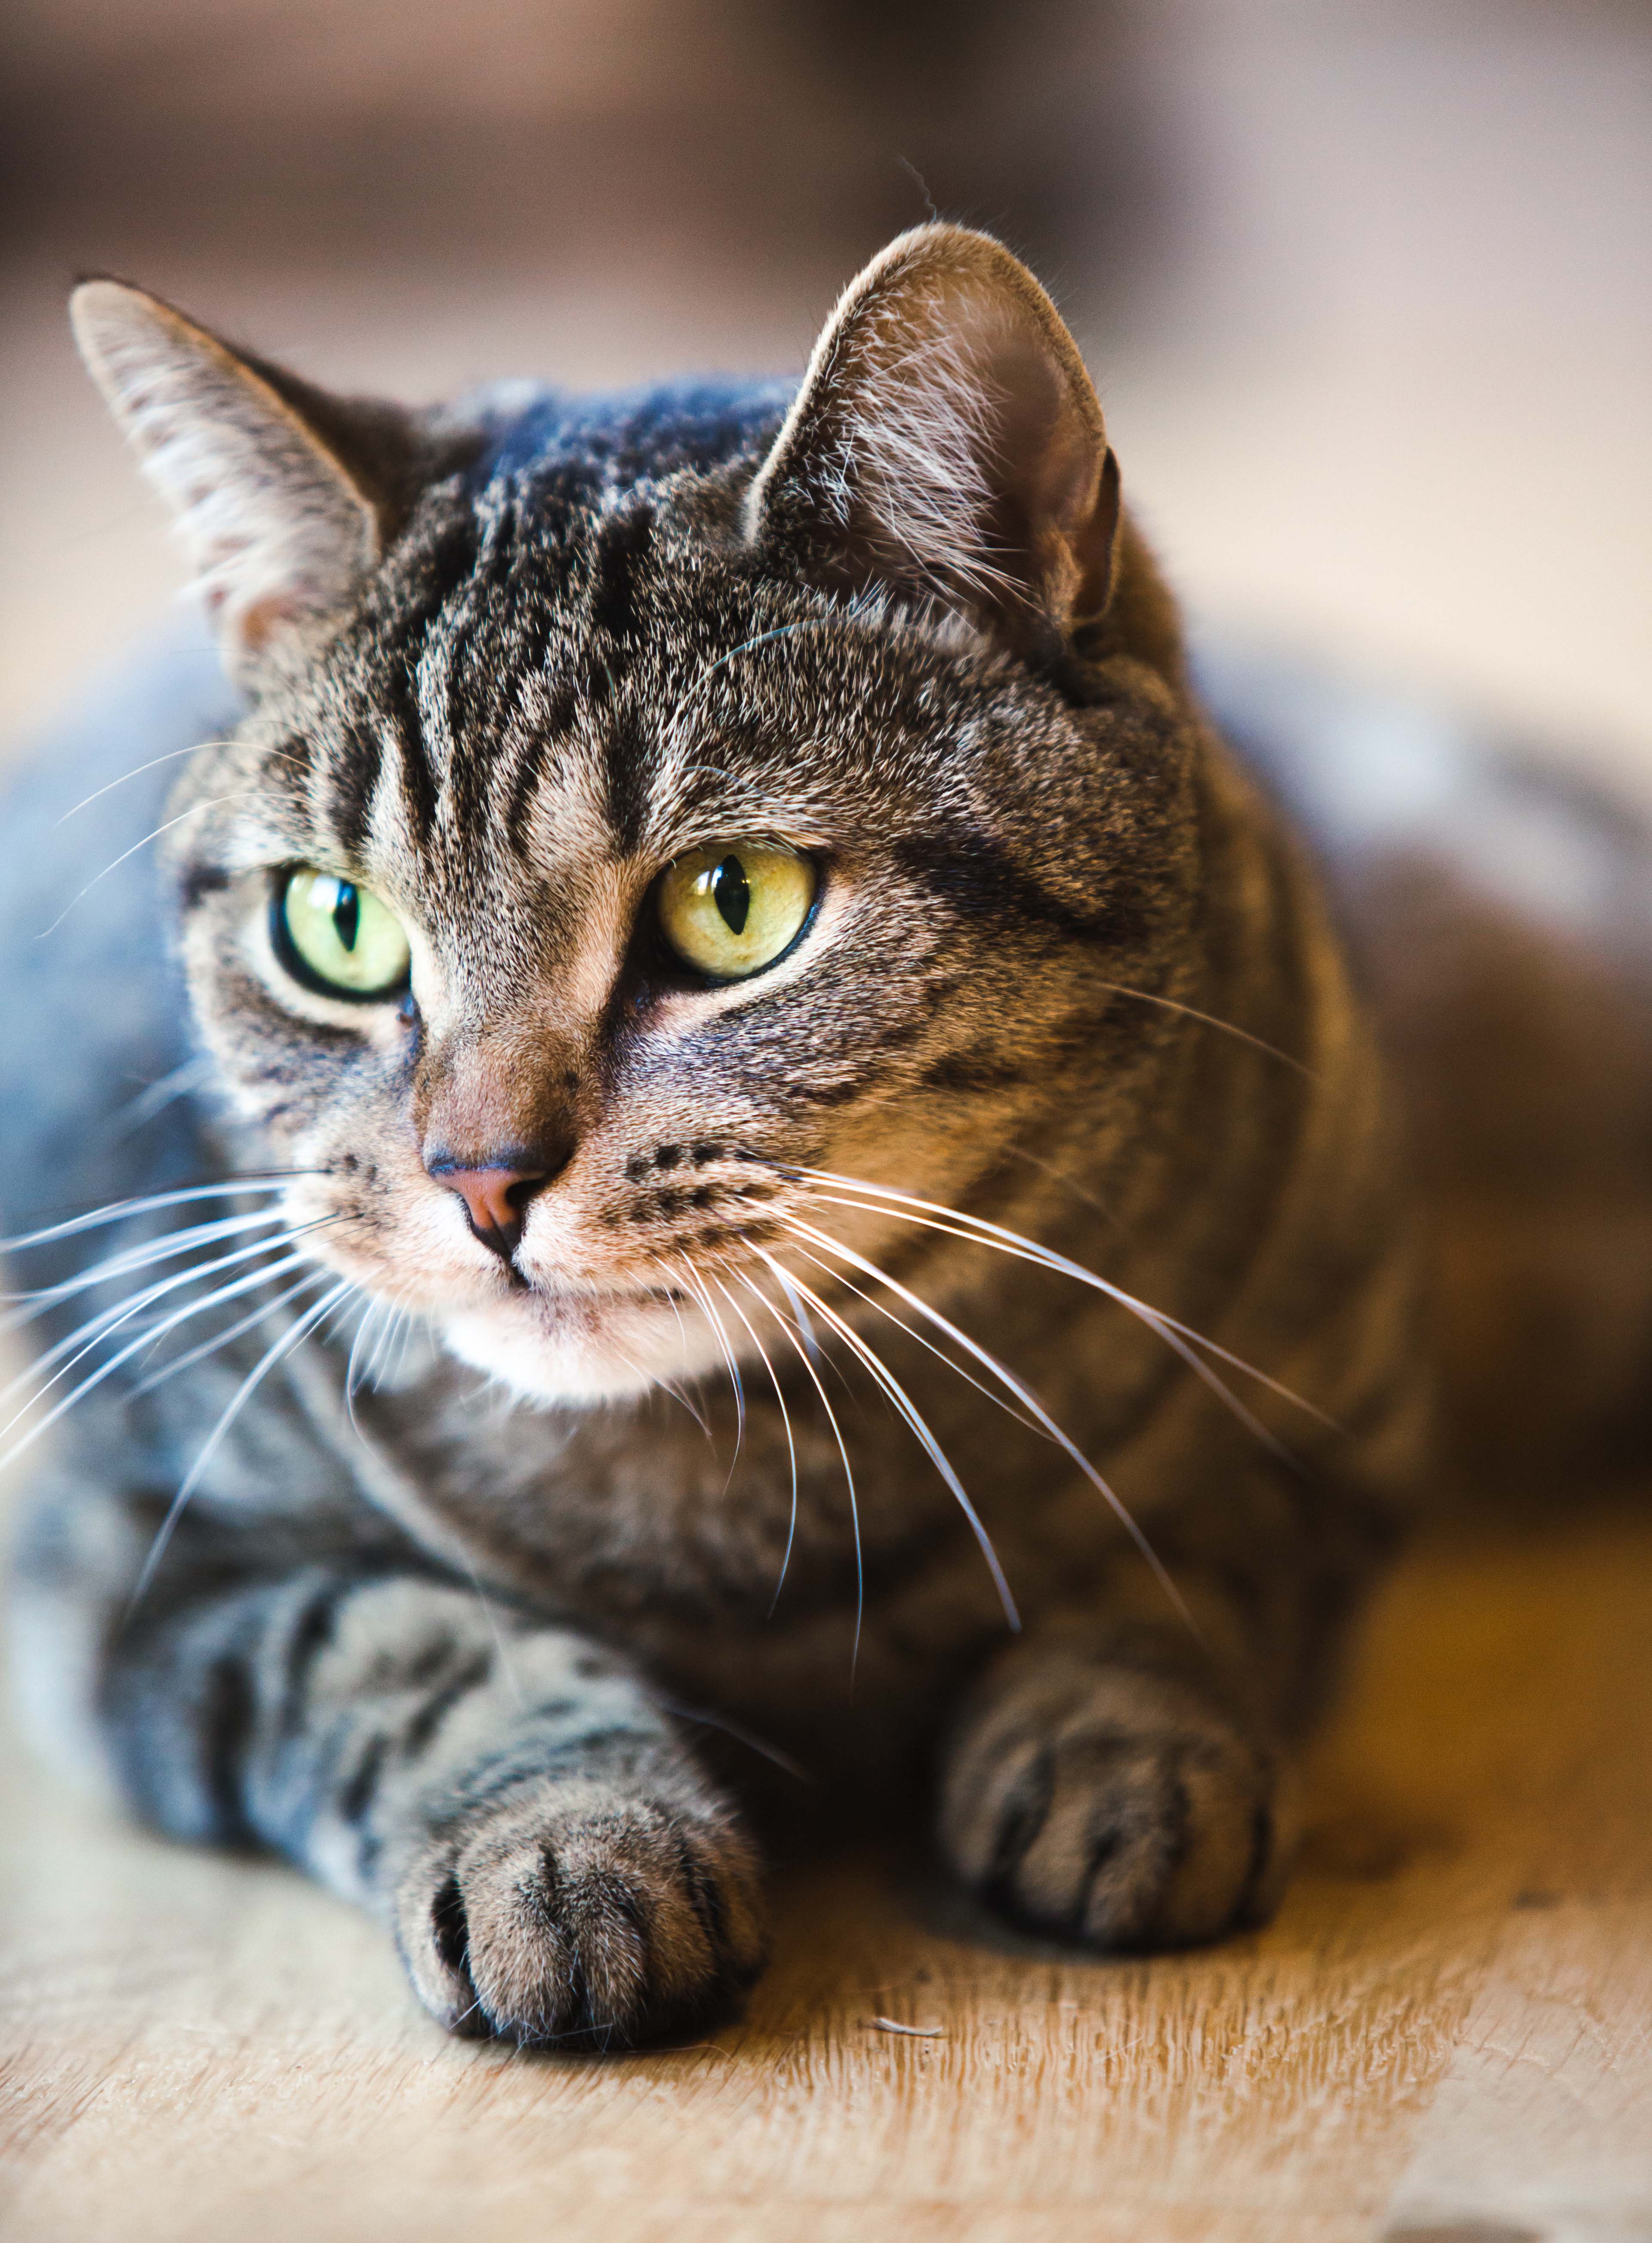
(574, 1915)
(1111, 1807)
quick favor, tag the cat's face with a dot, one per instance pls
(612, 874)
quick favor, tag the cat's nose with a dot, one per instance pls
(495, 1194)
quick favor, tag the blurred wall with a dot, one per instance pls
(1368, 289)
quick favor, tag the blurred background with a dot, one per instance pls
(1366, 288)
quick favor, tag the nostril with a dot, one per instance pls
(524, 1189)
(495, 1196)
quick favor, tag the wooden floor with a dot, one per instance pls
(1447, 2034)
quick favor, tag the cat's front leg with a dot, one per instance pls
(509, 1797)
(1100, 1785)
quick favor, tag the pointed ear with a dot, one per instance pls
(948, 442)
(281, 534)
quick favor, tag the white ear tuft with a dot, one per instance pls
(947, 442)
(279, 536)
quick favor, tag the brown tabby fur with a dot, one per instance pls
(1068, 975)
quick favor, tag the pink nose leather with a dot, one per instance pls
(494, 1200)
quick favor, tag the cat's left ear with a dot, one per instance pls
(282, 533)
(948, 442)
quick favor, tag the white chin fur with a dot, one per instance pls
(582, 1356)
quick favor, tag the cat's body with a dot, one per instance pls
(493, 1669)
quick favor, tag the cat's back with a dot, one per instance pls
(1499, 909)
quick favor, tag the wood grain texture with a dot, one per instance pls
(1446, 2036)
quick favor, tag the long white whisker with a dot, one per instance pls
(842, 1451)
(1210, 1020)
(148, 1204)
(313, 1273)
(355, 1370)
(283, 1346)
(27, 1306)
(1028, 1250)
(795, 1302)
(344, 1310)
(398, 1324)
(100, 1327)
(674, 1387)
(392, 1372)
(137, 771)
(785, 1419)
(193, 1075)
(94, 1380)
(940, 1354)
(909, 1411)
(212, 803)
(703, 1302)
(1156, 1323)
(1023, 1393)
(199, 747)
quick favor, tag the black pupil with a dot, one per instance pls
(347, 915)
(731, 892)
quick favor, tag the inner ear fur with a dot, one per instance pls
(948, 442)
(285, 498)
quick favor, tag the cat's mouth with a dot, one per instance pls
(554, 1343)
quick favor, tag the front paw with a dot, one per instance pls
(576, 1915)
(1112, 1808)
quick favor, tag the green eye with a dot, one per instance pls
(730, 910)
(335, 937)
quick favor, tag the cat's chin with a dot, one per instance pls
(576, 1353)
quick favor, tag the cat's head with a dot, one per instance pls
(647, 806)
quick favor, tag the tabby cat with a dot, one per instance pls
(773, 1184)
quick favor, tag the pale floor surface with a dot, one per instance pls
(1446, 2035)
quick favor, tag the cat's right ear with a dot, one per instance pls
(947, 445)
(281, 534)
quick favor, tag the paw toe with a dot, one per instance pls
(586, 1923)
(1125, 1817)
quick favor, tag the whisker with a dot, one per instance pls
(795, 1302)
(313, 1274)
(842, 1451)
(1210, 1021)
(702, 1299)
(749, 1737)
(508, 1665)
(1078, 1191)
(355, 1370)
(100, 1327)
(1156, 1322)
(137, 771)
(1028, 1250)
(193, 1075)
(1022, 1394)
(785, 1419)
(284, 1346)
(909, 1411)
(674, 1387)
(711, 669)
(150, 1203)
(26, 1307)
(940, 1354)
(404, 1341)
(146, 1338)
(212, 803)
(198, 747)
